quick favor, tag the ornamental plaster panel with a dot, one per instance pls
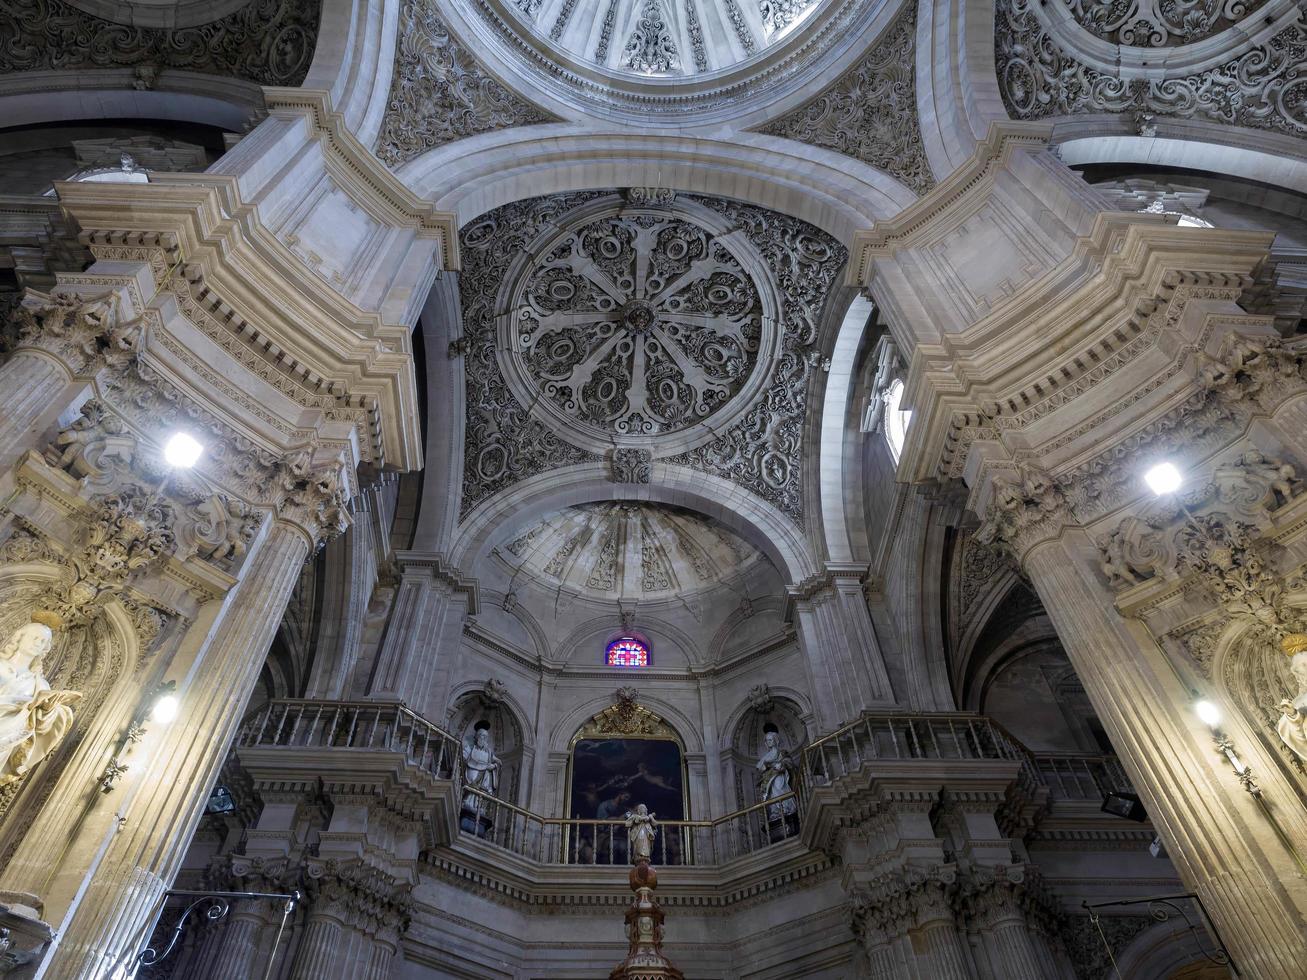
(870, 113)
(1045, 71)
(266, 43)
(683, 326)
(440, 93)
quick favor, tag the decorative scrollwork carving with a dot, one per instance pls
(439, 93)
(1262, 87)
(269, 42)
(1157, 23)
(632, 466)
(870, 113)
(651, 48)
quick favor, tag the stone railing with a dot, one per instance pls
(371, 726)
(1081, 776)
(687, 843)
(875, 739)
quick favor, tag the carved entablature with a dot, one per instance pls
(1026, 508)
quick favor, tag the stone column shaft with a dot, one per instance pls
(423, 636)
(319, 951)
(943, 948)
(1224, 849)
(1014, 952)
(34, 390)
(168, 800)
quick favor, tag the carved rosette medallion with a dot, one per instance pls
(636, 321)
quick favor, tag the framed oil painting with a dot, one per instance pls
(613, 775)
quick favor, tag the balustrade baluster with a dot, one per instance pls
(372, 735)
(263, 725)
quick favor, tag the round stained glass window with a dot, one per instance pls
(627, 651)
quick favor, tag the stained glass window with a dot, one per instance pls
(627, 652)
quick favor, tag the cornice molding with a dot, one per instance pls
(373, 177)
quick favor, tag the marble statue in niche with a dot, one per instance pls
(480, 771)
(641, 829)
(1292, 725)
(33, 718)
(775, 778)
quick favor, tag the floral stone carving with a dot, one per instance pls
(269, 42)
(870, 113)
(439, 93)
(1157, 23)
(639, 324)
(1262, 87)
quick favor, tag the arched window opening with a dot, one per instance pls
(627, 651)
(896, 420)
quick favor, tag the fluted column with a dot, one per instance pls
(318, 955)
(944, 952)
(34, 389)
(839, 643)
(162, 814)
(424, 635)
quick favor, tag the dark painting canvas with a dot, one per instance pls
(613, 775)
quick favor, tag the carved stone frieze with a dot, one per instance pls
(1156, 23)
(870, 113)
(439, 93)
(1091, 944)
(358, 894)
(1260, 88)
(269, 42)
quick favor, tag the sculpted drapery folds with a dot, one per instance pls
(33, 718)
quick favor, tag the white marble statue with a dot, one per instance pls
(480, 769)
(1292, 725)
(33, 718)
(641, 829)
(774, 766)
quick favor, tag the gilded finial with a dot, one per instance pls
(47, 617)
(1293, 644)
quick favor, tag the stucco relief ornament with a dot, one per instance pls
(33, 718)
(1022, 510)
(85, 333)
(1292, 726)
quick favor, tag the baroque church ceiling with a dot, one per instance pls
(629, 551)
(641, 328)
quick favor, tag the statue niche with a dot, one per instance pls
(491, 754)
(33, 718)
(764, 756)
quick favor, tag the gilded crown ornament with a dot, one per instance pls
(1293, 643)
(48, 618)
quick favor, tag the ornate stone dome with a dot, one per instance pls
(629, 551)
(663, 37)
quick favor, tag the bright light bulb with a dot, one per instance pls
(182, 451)
(164, 710)
(1208, 713)
(1163, 478)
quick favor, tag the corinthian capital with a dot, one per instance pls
(1026, 507)
(85, 333)
(315, 499)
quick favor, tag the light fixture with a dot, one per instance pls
(1208, 713)
(182, 451)
(164, 710)
(1163, 478)
(1125, 805)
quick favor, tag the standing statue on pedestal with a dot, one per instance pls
(1292, 725)
(775, 769)
(480, 771)
(33, 718)
(641, 829)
